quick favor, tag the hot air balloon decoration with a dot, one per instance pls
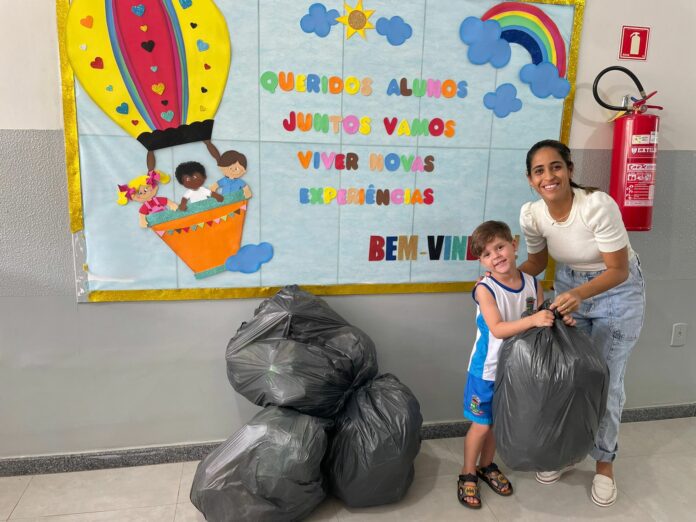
(158, 69)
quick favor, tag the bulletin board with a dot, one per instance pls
(224, 149)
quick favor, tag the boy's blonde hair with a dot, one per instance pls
(487, 232)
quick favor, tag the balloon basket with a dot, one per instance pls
(205, 234)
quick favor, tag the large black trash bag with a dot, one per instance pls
(550, 395)
(297, 352)
(376, 440)
(270, 470)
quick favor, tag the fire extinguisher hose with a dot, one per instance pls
(615, 68)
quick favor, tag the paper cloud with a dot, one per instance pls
(318, 20)
(249, 258)
(395, 29)
(544, 81)
(503, 101)
(484, 41)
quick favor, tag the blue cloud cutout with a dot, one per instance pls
(249, 258)
(318, 20)
(544, 81)
(503, 101)
(484, 41)
(395, 29)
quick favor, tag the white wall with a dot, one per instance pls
(669, 69)
(30, 96)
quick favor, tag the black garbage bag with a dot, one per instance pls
(297, 352)
(270, 470)
(376, 440)
(550, 395)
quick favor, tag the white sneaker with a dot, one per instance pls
(551, 477)
(604, 490)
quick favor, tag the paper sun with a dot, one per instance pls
(356, 19)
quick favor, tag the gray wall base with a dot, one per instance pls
(191, 452)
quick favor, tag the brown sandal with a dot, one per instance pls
(465, 492)
(492, 476)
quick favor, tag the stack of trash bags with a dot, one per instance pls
(329, 423)
(550, 395)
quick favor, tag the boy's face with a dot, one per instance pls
(233, 171)
(499, 256)
(193, 181)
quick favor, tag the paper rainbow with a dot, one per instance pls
(157, 68)
(530, 27)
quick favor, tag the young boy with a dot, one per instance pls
(232, 165)
(191, 175)
(501, 297)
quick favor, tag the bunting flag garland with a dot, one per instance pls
(202, 224)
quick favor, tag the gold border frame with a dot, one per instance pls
(76, 213)
(72, 144)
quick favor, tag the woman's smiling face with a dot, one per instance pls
(550, 175)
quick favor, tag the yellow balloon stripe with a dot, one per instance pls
(207, 44)
(91, 57)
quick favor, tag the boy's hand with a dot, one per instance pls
(569, 320)
(217, 197)
(542, 319)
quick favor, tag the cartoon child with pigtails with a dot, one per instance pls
(143, 189)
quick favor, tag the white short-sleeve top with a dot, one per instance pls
(593, 226)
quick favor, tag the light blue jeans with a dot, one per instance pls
(613, 320)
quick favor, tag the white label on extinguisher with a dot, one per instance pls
(653, 137)
(646, 150)
(640, 139)
(640, 185)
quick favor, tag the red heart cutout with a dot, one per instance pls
(135, 122)
(98, 63)
(87, 21)
(206, 66)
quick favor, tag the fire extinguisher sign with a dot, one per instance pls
(640, 171)
(634, 43)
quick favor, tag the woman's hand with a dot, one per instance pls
(567, 302)
(485, 274)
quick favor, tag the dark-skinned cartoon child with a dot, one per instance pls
(191, 175)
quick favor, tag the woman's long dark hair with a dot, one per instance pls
(563, 151)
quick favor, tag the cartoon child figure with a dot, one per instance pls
(232, 165)
(191, 175)
(143, 189)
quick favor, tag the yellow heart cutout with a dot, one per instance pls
(143, 28)
(158, 88)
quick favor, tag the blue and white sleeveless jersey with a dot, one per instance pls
(512, 303)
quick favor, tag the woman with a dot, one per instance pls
(599, 282)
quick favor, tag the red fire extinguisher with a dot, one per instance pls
(632, 183)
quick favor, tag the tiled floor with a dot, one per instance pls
(656, 475)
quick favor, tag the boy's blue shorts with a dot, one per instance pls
(478, 400)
